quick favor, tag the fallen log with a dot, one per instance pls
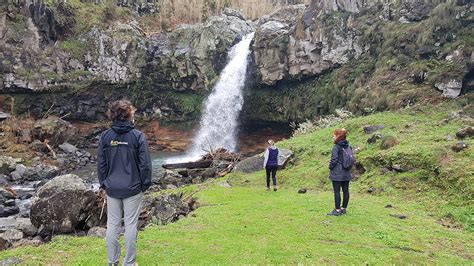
(190, 165)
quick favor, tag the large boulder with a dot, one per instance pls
(255, 163)
(55, 130)
(62, 204)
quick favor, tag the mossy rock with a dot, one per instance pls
(388, 142)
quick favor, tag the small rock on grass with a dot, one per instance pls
(97, 232)
(459, 146)
(369, 129)
(302, 190)
(399, 216)
(224, 184)
(389, 206)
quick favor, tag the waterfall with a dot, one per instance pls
(219, 122)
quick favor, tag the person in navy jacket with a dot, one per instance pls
(271, 164)
(124, 170)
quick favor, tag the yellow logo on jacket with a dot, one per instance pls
(115, 143)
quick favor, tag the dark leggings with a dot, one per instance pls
(337, 193)
(273, 170)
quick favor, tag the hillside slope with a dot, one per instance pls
(433, 187)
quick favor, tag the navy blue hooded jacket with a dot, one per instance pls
(337, 172)
(124, 164)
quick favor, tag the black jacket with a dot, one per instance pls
(338, 173)
(124, 164)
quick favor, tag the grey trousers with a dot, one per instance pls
(130, 208)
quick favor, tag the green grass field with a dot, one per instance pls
(244, 224)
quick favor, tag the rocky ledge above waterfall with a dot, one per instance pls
(190, 57)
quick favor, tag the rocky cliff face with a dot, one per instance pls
(368, 56)
(74, 70)
(297, 42)
(35, 59)
(191, 57)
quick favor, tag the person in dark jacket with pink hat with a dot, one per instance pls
(339, 175)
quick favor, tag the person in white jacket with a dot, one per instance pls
(270, 164)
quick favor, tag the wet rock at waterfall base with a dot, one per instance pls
(8, 211)
(38, 172)
(6, 194)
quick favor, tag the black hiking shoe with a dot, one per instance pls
(343, 210)
(335, 213)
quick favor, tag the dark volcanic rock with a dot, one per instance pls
(4, 244)
(465, 132)
(368, 129)
(169, 208)
(398, 168)
(62, 204)
(459, 146)
(373, 139)
(38, 172)
(399, 216)
(8, 211)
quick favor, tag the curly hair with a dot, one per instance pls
(121, 110)
(340, 134)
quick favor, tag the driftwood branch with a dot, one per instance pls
(45, 142)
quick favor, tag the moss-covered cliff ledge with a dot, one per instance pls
(89, 104)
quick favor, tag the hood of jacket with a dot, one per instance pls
(121, 127)
(343, 143)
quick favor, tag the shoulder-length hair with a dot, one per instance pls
(121, 110)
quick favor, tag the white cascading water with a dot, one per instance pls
(218, 126)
